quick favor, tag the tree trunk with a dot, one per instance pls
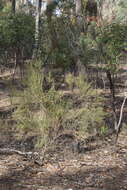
(78, 11)
(78, 4)
(51, 5)
(13, 6)
(37, 27)
(112, 91)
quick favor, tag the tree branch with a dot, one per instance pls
(117, 127)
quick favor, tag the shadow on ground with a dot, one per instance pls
(85, 178)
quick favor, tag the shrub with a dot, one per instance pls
(87, 116)
(49, 112)
(40, 110)
(16, 35)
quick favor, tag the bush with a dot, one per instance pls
(39, 110)
(86, 115)
(114, 41)
(49, 112)
(16, 34)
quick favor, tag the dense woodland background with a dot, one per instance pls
(63, 79)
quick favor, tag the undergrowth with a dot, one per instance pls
(50, 112)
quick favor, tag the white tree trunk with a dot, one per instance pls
(78, 12)
(78, 9)
(37, 26)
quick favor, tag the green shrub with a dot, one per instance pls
(113, 38)
(88, 114)
(16, 35)
(48, 112)
(40, 110)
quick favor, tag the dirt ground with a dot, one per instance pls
(101, 168)
(104, 168)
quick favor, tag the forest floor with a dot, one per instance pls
(101, 167)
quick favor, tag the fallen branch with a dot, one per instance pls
(9, 151)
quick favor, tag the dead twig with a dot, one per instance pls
(9, 151)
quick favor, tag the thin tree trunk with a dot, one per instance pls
(78, 11)
(53, 36)
(111, 84)
(112, 91)
(13, 6)
(78, 7)
(37, 27)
